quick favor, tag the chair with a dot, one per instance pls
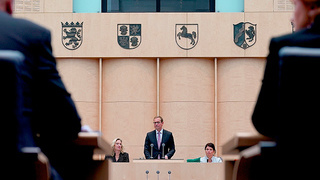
(21, 158)
(11, 95)
(299, 97)
(196, 160)
(299, 94)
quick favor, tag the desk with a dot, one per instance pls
(242, 141)
(179, 169)
(236, 146)
(98, 169)
(94, 140)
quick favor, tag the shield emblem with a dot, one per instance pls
(245, 34)
(129, 35)
(187, 35)
(72, 35)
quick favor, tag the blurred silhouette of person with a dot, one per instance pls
(47, 105)
(289, 127)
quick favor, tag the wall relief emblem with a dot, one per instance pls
(129, 35)
(245, 34)
(72, 35)
(187, 35)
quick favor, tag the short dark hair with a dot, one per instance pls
(210, 145)
(312, 2)
(158, 117)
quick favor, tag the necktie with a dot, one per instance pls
(159, 142)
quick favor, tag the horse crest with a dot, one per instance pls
(187, 35)
(245, 34)
(72, 35)
(129, 35)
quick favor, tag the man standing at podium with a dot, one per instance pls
(159, 144)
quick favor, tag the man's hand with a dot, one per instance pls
(166, 157)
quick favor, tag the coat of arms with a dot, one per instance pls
(187, 35)
(72, 35)
(245, 34)
(129, 35)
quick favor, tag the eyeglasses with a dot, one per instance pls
(157, 122)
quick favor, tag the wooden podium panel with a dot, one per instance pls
(158, 161)
(242, 141)
(97, 168)
(243, 145)
(95, 140)
(168, 169)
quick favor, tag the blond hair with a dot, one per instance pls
(113, 143)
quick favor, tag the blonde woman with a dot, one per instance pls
(118, 155)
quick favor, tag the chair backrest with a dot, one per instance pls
(11, 97)
(196, 160)
(20, 158)
(299, 94)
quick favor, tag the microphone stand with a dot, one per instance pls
(163, 144)
(151, 145)
(158, 172)
(147, 172)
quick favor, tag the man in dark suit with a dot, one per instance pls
(161, 140)
(291, 124)
(307, 25)
(47, 105)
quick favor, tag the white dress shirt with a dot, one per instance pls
(214, 159)
(161, 133)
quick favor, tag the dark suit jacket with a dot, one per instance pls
(266, 114)
(123, 157)
(167, 139)
(47, 104)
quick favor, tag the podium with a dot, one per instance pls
(140, 169)
(158, 161)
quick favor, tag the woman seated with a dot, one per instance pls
(118, 155)
(210, 152)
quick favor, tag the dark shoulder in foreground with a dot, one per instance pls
(21, 25)
(303, 38)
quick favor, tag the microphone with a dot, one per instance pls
(158, 172)
(151, 145)
(147, 172)
(163, 144)
(169, 173)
